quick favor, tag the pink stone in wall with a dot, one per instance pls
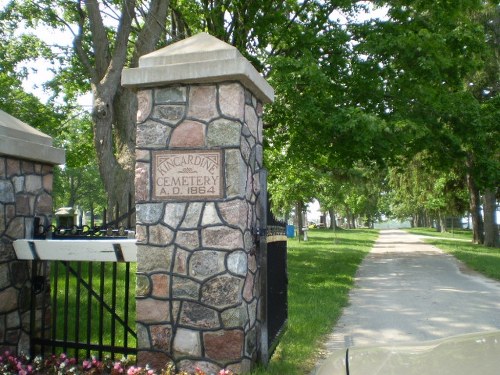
(151, 311)
(232, 100)
(259, 109)
(160, 337)
(222, 237)
(224, 345)
(252, 263)
(202, 102)
(160, 235)
(22, 205)
(2, 167)
(141, 182)
(191, 367)
(187, 239)
(188, 134)
(142, 155)
(234, 213)
(43, 204)
(141, 233)
(248, 288)
(48, 181)
(144, 104)
(156, 360)
(13, 167)
(180, 265)
(251, 120)
(160, 285)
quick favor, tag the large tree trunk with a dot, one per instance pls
(442, 222)
(300, 221)
(474, 204)
(333, 222)
(116, 169)
(114, 108)
(490, 225)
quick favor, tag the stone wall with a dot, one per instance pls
(25, 192)
(197, 283)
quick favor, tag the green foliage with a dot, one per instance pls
(27, 107)
(352, 97)
(418, 187)
(78, 182)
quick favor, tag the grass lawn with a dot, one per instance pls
(485, 260)
(462, 234)
(72, 315)
(321, 273)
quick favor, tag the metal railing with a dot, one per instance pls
(83, 292)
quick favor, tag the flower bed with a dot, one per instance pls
(11, 364)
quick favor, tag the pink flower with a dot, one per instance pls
(134, 370)
(86, 365)
(118, 367)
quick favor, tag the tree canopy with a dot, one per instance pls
(363, 105)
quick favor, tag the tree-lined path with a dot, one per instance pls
(409, 291)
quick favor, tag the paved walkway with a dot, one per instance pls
(409, 291)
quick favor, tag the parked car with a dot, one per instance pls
(470, 354)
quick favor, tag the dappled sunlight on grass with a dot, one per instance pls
(464, 234)
(485, 260)
(321, 273)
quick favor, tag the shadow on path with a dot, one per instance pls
(408, 291)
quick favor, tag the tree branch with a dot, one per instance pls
(119, 57)
(78, 45)
(100, 42)
(154, 26)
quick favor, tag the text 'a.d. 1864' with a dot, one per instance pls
(187, 175)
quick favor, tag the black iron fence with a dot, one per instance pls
(88, 312)
(277, 281)
(82, 308)
(272, 245)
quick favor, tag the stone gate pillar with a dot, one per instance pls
(198, 156)
(27, 159)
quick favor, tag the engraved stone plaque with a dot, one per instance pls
(189, 175)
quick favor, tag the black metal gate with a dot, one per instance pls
(83, 308)
(277, 282)
(273, 263)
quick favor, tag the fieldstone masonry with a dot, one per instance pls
(25, 193)
(198, 289)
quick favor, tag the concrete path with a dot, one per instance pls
(409, 291)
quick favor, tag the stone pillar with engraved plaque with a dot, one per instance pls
(198, 157)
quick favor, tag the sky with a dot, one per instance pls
(34, 84)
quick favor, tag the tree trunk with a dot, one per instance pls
(442, 223)
(114, 107)
(474, 204)
(300, 222)
(116, 169)
(333, 222)
(490, 225)
(348, 217)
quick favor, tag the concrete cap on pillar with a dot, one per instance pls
(19, 140)
(199, 59)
